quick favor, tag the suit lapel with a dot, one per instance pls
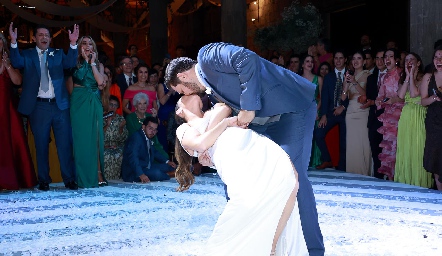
(36, 60)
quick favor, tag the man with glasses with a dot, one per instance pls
(139, 155)
(127, 78)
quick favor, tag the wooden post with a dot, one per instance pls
(233, 22)
(158, 30)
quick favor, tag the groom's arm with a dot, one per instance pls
(230, 59)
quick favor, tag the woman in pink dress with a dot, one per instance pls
(143, 85)
(389, 100)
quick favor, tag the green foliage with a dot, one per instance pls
(300, 27)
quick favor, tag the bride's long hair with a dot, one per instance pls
(183, 173)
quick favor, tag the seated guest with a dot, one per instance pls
(135, 119)
(139, 154)
(115, 133)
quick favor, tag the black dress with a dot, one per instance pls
(433, 126)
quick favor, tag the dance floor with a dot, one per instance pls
(358, 216)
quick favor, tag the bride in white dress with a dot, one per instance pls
(262, 216)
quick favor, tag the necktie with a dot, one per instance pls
(381, 75)
(338, 90)
(130, 81)
(44, 72)
(149, 148)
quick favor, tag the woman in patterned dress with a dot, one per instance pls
(115, 134)
(389, 100)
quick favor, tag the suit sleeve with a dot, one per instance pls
(17, 60)
(70, 60)
(324, 95)
(370, 89)
(231, 59)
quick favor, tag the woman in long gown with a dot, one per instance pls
(16, 168)
(388, 100)
(411, 128)
(262, 215)
(307, 64)
(431, 96)
(87, 116)
(358, 153)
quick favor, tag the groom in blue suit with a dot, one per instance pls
(45, 99)
(268, 99)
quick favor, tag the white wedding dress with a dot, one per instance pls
(259, 178)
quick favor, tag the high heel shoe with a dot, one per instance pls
(102, 183)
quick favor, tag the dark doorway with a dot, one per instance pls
(382, 20)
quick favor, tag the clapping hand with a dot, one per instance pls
(12, 33)
(73, 36)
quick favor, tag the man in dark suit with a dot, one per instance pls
(332, 112)
(373, 124)
(268, 99)
(127, 78)
(139, 155)
(45, 99)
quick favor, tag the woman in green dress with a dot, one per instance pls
(411, 128)
(306, 72)
(87, 116)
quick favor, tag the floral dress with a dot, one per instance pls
(390, 120)
(113, 148)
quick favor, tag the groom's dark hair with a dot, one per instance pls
(176, 66)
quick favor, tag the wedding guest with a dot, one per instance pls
(115, 134)
(321, 52)
(127, 77)
(333, 112)
(373, 124)
(16, 167)
(411, 127)
(358, 154)
(142, 85)
(168, 99)
(45, 99)
(389, 101)
(294, 63)
(370, 63)
(139, 153)
(431, 96)
(135, 119)
(87, 116)
(324, 69)
(114, 89)
(306, 72)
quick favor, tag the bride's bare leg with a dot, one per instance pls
(287, 211)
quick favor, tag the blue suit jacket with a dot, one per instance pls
(29, 63)
(327, 95)
(136, 157)
(243, 80)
